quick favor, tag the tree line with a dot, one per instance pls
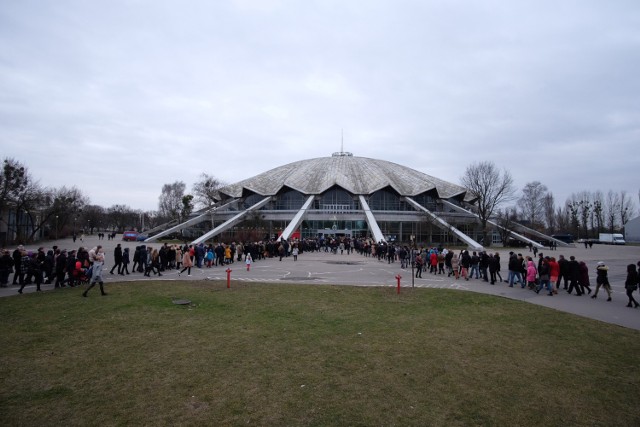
(29, 210)
(584, 214)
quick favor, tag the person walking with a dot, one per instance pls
(564, 272)
(117, 259)
(447, 262)
(484, 265)
(6, 267)
(514, 270)
(497, 261)
(455, 266)
(574, 275)
(602, 279)
(178, 259)
(532, 273)
(419, 266)
(544, 276)
(441, 258)
(61, 269)
(154, 263)
(248, 260)
(584, 277)
(465, 262)
(631, 285)
(554, 273)
(493, 268)
(136, 259)
(18, 277)
(34, 269)
(96, 255)
(475, 261)
(187, 263)
(125, 262)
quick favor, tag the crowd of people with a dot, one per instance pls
(75, 267)
(64, 268)
(535, 274)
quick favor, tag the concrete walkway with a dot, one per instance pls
(355, 270)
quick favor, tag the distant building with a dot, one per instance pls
(345, 195)
(632, 230)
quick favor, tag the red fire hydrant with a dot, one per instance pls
(398, 277)
(229, 277)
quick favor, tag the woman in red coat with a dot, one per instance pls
(554, 273)
(433, 260)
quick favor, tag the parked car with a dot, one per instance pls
(130, 236)
(142, 237)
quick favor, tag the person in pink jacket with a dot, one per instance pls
(531, 273)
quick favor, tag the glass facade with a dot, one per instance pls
(337, 204)
(386, 200)
(336, 200)
(289, 200)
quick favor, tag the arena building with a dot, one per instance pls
(341, 195)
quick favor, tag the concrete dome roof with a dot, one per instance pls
(357, 175)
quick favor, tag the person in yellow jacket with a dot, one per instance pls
(227, 254)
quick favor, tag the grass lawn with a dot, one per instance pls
(308, 355)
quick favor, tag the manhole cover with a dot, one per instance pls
(345, 262)
(181, 301)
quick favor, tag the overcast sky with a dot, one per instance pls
(121, 97)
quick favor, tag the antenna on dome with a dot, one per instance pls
(342, 153)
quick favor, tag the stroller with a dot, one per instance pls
(80, 275)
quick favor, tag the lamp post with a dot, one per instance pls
(56, 227)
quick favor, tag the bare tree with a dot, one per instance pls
(563, 219)
(581, 207)
(170, 200)
(597, 216)
(122, 217)
(573, 209)
(13, 180)
(61, 205)
(489, 188)
(626, 208)
(611, 210)
(548, 208)
(187, 207)
(30, 201)
(93, 217)
(532, 202)
(206, 189)
(505, 220)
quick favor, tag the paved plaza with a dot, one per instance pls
(335, 269)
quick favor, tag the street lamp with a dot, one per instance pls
(56, 227)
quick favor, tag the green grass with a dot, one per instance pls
(308, 355)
